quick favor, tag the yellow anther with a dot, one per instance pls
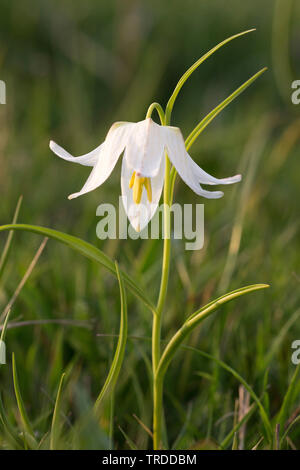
(137, 183)
(148, 189)
(138, 189)
(132, 180)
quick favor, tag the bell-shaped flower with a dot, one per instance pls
(144, 145)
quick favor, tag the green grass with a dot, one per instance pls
(71, 70)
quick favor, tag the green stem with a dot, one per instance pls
(159, 110)
(157, 413)
(156, 328)
(157, 318)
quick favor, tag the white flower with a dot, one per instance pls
(144, 144)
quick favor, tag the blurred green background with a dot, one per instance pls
(71, 69)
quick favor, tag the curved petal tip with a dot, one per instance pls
(230, 180)
(73, 196)
(210, 194)
(237, 178)
(52, 145)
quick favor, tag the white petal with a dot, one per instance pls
(139, 215)
(113, 146)
(89, 159)
(189, 171)
(145, 148)
(206, 178)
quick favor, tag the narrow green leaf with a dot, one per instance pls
(296, 420)
(120, 350)
(2, 337)
(3, 332)
(211, 116)
(43, 441)
(263, 413)
(29, 441)
(226, 441)
(7, 245)
(183, 431)
(265, 394)
(226, 298)
(55, 427)
(86, 249)
(189, 72)
(8, 428)
(192, 322)
(235, 444)
(279, 338)
(23, 414)
(283, 412)
(128, 440)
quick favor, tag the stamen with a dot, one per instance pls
(132, 180)
(136, 183)
(138, 189)
(148, 189)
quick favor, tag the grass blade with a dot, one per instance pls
(2, 344)
(24, 279)
(120, 350)
(285, 435)
(264, 416)
(129, 441)
(189, 72)
(7, 245)
(54, 436)
(143, 425)
(4, 327)
(88, 250)
(23, 414)
(279, 338)
(235, 444)
(9, 428)
(226, 298)
(283, 412)
(226, 441)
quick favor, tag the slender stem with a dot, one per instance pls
(164, 276)
(157, 412)
(156, 328)
(159, 110)
(157, 318)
